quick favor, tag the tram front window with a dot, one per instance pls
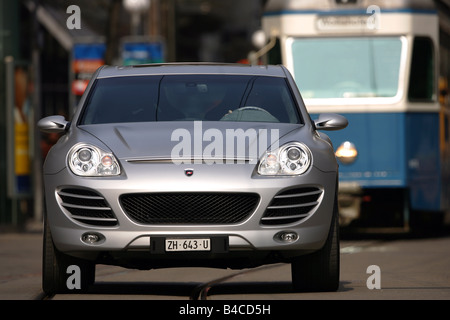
(347, 67)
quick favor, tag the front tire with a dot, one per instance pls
(319, 271)
(55, 272)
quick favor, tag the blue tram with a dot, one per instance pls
(385, 65)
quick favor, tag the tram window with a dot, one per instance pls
(422, 80)
(347, 67)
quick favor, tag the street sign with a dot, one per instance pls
(87, 58)
(142, 52)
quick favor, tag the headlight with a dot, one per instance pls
(291, 159)
(87, 160)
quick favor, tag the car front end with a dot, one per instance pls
(243, 190)
(105, 216)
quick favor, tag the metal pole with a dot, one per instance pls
(171, 31)
(37, 159)
(38, 193)
(135, 23)
(10, 152)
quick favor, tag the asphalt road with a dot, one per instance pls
(405, 269)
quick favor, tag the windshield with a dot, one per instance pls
(190, 97)
(347, 67)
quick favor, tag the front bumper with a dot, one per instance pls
(129, 239)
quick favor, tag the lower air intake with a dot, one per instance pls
(189, 207)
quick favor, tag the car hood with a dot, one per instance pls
(193, 139)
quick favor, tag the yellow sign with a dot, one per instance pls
(22, 156)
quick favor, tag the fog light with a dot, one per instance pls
(286, 236)
(91, 238)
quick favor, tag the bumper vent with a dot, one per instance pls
(292, 206)
(87, 206)
(189, 207)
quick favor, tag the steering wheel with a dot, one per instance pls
(237, 114)
(254, 108)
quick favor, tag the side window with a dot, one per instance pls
(422, 78)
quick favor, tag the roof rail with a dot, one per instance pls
(189, 64)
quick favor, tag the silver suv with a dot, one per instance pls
(213, 165)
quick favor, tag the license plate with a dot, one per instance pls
(173, 245)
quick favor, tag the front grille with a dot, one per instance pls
(189, 207)
(87, 206)
(292, 206)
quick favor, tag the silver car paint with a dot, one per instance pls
(152, 141)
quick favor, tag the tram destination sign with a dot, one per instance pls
(343, 22)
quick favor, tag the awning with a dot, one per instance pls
(54, 21)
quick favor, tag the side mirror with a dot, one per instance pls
(53, 124)
(330, 122)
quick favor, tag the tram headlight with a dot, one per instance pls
(347, 152)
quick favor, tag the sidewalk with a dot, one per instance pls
(21, 264)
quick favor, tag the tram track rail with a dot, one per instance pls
(202, 291)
